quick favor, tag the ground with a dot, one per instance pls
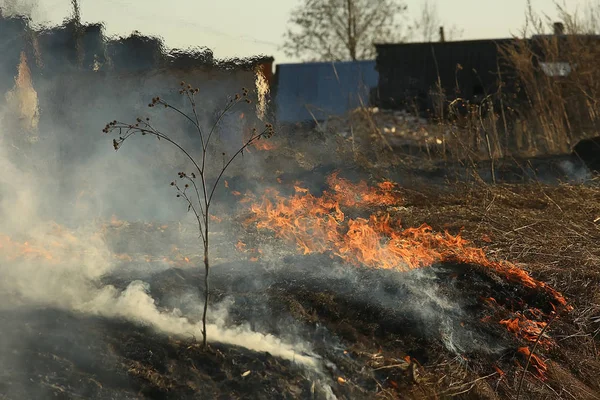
(432, 332)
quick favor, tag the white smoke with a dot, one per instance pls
(49, 265)
(18, 7)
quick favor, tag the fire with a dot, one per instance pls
(249, 131)
(23, 97)
(528, 329)
(241, 246)
(320, 225)
(215, 218)
(536, 362)
(58, 245)
(499, 371)
(12, 250)
(262, 91)
(263, 145)
(116, 222)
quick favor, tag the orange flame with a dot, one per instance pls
(318, 225)
(536, 362)
(12, 250)
(23, 97)
(499, 371)
(241, 246)
(59, 245)
(528, 329)
(263, 145)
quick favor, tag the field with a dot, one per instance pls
(378, 254)
(326, 284)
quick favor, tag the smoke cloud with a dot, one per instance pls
(19, 7)
(61, 181)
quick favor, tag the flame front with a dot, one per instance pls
(320, 225)
(58, 246)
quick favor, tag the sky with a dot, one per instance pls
(240, 28)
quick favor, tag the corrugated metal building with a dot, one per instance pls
(409, 72)
(309, 91)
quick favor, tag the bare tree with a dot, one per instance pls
(336, 30)
(196, 189)
(427, 26)
(583, 21)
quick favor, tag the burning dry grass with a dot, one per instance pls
(552, 232)
(538, 228)
(318, 224)
(548, 234)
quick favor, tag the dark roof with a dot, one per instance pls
(448, 43)
(481, 41)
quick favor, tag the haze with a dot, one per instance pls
(243, 28)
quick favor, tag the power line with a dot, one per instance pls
(204, 28)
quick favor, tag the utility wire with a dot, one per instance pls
(181, 21)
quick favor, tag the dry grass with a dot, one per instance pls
(531, 113)
(552, 232)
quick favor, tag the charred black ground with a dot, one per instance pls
(345, 312)
(416, 334)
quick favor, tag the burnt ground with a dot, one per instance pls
(363, 324)
(428, 333)
(69, 356)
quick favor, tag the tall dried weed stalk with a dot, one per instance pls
(547, 97)
(196, 187)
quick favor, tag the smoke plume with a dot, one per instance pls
(58, 189)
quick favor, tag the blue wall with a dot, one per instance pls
(324, 88)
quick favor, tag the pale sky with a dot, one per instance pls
(243, 27)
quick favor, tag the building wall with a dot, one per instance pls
(309, 91)
(409, 73)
